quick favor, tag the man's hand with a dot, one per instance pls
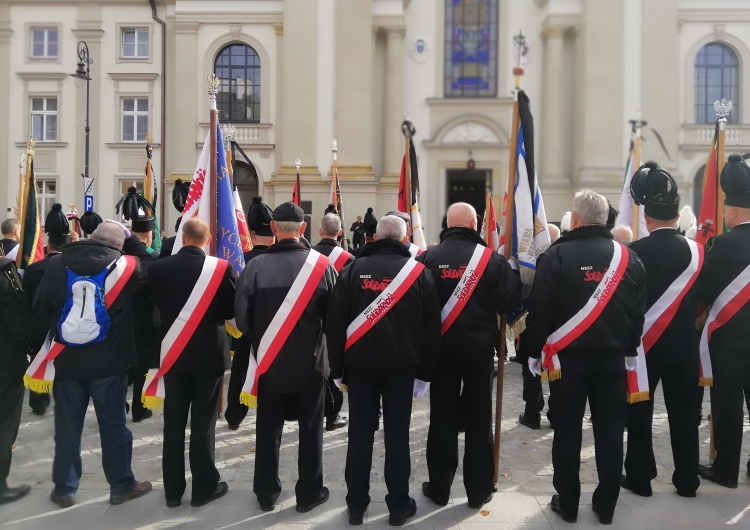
(535, 366)
(420, 387)
(631, 364)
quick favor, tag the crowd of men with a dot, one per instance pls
(383, 324)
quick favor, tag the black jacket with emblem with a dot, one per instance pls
(727, 256)
(15, 324)
(115, 354)
(326, 246)
(567, 274)
(665, 254)
(301, 364)
(498, 291)
(32, 279)
(170, 282)
(406, 339)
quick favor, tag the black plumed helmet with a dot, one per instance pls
(180, 194)
(89, 222)
(131, 202)
(655, 189)
(56, 221)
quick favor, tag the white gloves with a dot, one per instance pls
(631, 364)
(420, 387)
(337, 382)
(535, 366)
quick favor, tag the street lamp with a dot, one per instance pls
(83, 74)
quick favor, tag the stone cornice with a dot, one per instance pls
(133, 76)
(42, 76)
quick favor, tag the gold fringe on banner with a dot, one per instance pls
(705, 381)
(638, 397)
(554, 375)
(249, 400)
(40, 386)
(152, 402)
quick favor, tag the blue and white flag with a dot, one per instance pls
(228, 241)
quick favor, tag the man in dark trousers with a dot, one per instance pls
(672, 264)
(383, 325)
(259, 217)
(193, 382)
(474, 285)
(16, 340)
(358, 232)
(586, 313)
(280, 304)
(722, 285)
(330, 229)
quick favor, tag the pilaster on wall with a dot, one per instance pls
(184, 72)
(393, 145)
(5, 35)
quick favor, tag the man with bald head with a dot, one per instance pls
(474, 285)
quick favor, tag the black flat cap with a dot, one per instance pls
(289, 211)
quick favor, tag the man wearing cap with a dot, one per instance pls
(330, 230)
(383, 325)
(723, 286)
(259, 217)
(280, 304)
(669, 343)
(584, 324)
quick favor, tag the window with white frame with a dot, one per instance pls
(134, 119)
(46, 195)
(135, 43)
(44, 119)
(44, 43)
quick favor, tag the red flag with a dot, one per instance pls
(403, 205)
(708, 216)
(295, 192)
(489, 225)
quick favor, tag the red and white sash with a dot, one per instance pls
(658, 318)
(41, 373)
(465, 288)
(183, 328)
(733, 298)
(587, 315)
(385, 301)
(414, 250)
(339, 257)
(283, 323)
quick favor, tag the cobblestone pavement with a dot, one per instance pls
(523, 501)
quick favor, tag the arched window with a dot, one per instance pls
(716, 77)
(698, 190)
(238, 68)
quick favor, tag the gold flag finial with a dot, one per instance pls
(149, 138)
(30, 143)
(213, 82)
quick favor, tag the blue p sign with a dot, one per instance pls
(88, 203)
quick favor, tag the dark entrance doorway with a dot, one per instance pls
(468, 185)
(246, 179)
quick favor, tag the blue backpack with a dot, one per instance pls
(84, 319)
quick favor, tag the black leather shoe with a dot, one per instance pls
(476, 506)
(748, 472)
(174, 504)
(688, 494)
(233, 426)
(322, 497)
(530, 423)
(146, 414)
(219, 492)
(399, 520)
(337, 422)
(266, 507)
(62, 502)
(643, 491)
(427, 493)
(555, 504)
(602, 518)
(13, 494)
(707, 472)
(355, 518)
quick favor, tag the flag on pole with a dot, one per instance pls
(239, 213)
(411, 208)
(627, 206)
(296, 199)
(198, 203)
(228, 237)
(490, 220)
(150, 194)
(31, 245)
(708, 216)
(334, 196)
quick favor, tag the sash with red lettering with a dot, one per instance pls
(183, 328)
(587, 315)
(283, 323)
(733, 298)
(41, 373)
(339, 257)
(385, 301)
(465, 288)
(658, 318)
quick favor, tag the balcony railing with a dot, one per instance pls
(695, 135)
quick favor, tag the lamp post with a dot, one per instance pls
(83, 74)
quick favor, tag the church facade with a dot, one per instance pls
(296, 74)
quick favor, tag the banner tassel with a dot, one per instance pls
(39, 386)
(249, 400)
(705, 381)
(637, 397)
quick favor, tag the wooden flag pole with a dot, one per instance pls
(23, 192)
(502, 347)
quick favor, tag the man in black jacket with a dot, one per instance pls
(11, 230)
(728, 263)
(388, 343)
(96, 371)
(586, 274)
(193, 383)
(467, 350)
(358, 233)
(294, 381)
(330, 229)
(259, 217)
(16, 340)
(673, 358)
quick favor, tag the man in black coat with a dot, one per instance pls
(193, 383)
(11, 231)
(330, 229)
(259, 217)
(358, 232)
(728, 257)
(395, 358)
(294, 381)
(467, 350)
(593, 365)
(96, 371)
(673, 358)
(16, 340)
